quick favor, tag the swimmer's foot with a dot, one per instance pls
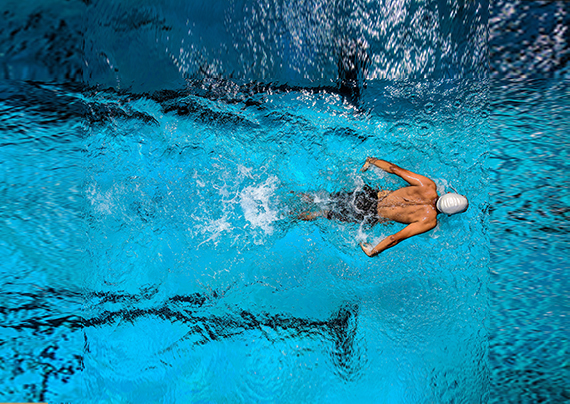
(307, 197)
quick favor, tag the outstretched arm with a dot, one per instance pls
(390, 241)
(408, 176)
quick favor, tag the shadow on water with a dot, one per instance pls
(33, 315)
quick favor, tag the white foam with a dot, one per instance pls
(258, 207)
(363, 237)
(199, 182)
(358, 181)
(101, 201)
(214, 228)
(321, 198)
(441, 185)
(435, 233)
(244, 172)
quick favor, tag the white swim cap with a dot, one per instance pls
(452, 203)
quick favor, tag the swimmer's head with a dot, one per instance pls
(452, 203)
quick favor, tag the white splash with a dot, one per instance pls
(442, 185)
(258, 208)
(101, 201)
(363, 237)
(214, 229)
(435, 233)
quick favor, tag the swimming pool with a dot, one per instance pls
(153, 251)
(200, 287)
(186, 208)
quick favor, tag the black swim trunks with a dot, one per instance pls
(355, 207)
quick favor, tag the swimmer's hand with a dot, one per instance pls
(367, 248)
(366, 166)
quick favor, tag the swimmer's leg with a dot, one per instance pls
(306, 197)
(308, 216)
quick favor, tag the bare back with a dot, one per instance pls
(409, 204)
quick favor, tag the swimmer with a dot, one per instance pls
(416, 205)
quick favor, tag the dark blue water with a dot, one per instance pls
(529, 192)
(148, 152)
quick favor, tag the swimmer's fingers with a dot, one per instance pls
(365, 166)
(367, 248)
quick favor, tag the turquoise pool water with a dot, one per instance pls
(149, 187)
(198, 205)
(199, 284)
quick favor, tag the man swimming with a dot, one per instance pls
(416, 205)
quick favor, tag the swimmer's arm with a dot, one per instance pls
(390, 241)
(408, 176)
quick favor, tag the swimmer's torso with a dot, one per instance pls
(408, 205)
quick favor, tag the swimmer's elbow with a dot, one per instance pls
(393, 240)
